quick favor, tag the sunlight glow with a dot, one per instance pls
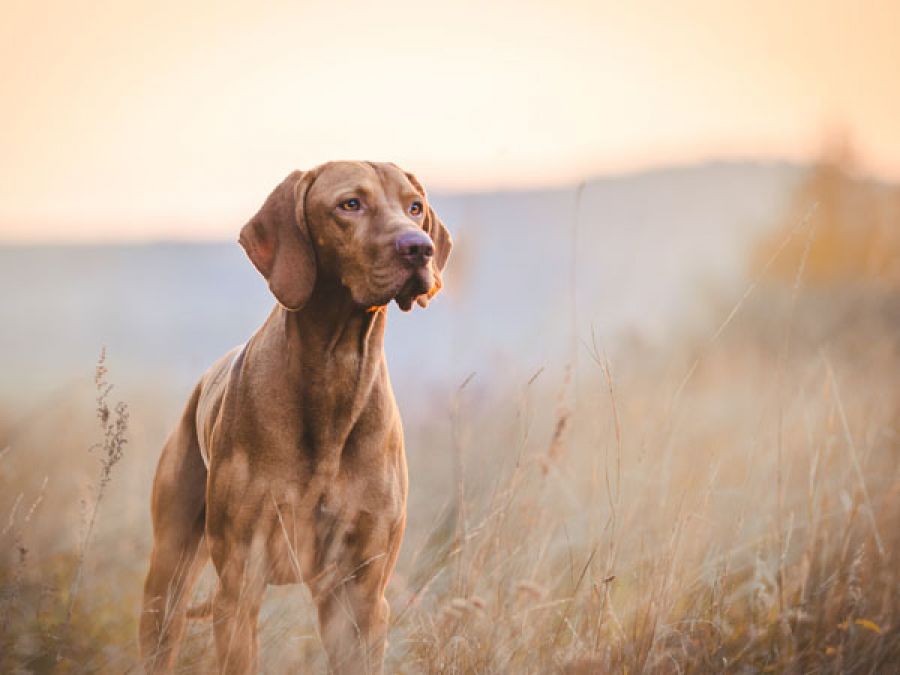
(136, 120)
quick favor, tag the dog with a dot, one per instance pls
(288, 463)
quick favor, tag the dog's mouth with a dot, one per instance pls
(419, 283)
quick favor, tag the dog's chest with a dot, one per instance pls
(318, 541)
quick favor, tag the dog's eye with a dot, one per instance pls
(352, 204)
(415, 208)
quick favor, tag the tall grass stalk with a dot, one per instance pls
(114, 428)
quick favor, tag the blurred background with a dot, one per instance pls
(692, 210)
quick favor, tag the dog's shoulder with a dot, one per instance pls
(212, 390)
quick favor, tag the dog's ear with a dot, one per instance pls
(443, 243)
(278, 242)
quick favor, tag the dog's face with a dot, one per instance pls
(367, 222)
(366, 226)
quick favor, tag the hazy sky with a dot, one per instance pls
(166, 119)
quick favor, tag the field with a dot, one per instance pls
(725, 500)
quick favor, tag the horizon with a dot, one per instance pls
(222, 237)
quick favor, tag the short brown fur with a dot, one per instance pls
(306, 478)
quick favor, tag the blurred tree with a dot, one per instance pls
(856, 226)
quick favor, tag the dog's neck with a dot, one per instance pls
(331, 341)
(331, 325)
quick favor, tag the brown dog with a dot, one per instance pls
(289, 457)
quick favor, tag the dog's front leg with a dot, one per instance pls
(354, 614)
(353, 624)
(242, 583)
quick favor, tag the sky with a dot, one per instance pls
(124, 120)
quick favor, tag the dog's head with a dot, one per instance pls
(367, 226)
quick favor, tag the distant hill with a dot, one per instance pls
(642, 244)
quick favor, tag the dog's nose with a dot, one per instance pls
(416, 248)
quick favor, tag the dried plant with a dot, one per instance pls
(113, 429)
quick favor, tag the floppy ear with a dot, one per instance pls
(278, 243)
(443, 243)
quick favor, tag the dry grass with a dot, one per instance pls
(724, 506)
(750, 526)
